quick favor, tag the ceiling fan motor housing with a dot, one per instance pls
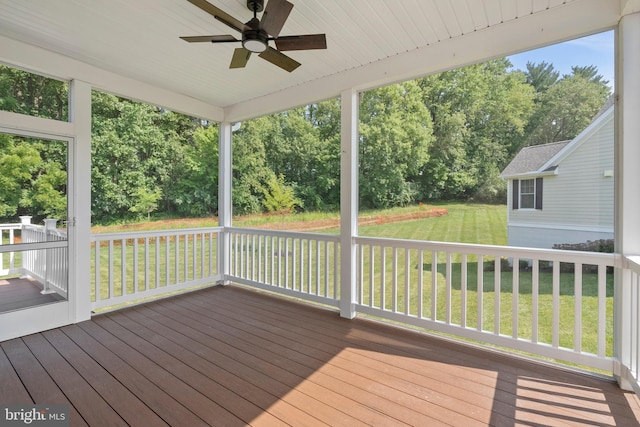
(257, 5)
(255, 40)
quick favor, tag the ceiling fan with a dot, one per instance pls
(256, 34)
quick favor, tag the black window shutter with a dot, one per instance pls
(516, 197)
(539, 193)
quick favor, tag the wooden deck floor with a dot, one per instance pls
(19, 293)
(226, 356)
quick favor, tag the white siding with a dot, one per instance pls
(579, 196)
(545, 238)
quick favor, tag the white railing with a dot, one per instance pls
(303, 265)
(8, 259)
(48, 266)
(630, 306)
(555, 304)
(549, 303)
(129, 267)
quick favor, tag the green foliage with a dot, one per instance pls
(565, 109)
(130, 154)
(303, 144)
(493, 190)
(33, 178)
(250, 171)
(589, 73)
(47, 197)
(32, 94)
(444, 136)
(541, 76)
(478, 111)
(395, 134)
(196, 188)
(145, 201)
(279, 197)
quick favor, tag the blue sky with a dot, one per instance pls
(597, 49)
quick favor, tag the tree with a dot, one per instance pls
(589, 72)
(146, 201)
(250, 172)
(33, 180)
(478, 113)
(541, 76)
(32, 94)
(279, 197)
(194, 191)
(130, 153)
(566, 108)
(303, 144)
(395, 135)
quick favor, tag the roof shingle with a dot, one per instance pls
(531, 159)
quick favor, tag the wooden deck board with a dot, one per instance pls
(390, 389)
(11, 388)
(35, 378)
(19, 293)
(231, 357)
(265, 365)
(91, 406)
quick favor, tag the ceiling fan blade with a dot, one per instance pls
(310, 41)
(274, 16)
(219, 14)
(240, 58)
(279, 59)
(212, 39)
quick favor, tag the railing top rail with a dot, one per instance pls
(285, 233)
(32, 226)
(632, 262)
(60, 232)
(512, 251)
(152, 233)
(10, 226)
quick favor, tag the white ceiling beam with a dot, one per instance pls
(21, 124)
(571, 20)
(41, 61)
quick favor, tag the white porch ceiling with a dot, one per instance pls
(132, 47)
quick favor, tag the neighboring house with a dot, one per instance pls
(563, 192)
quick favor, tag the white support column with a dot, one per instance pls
(348, 201)
(627, 206)
(80, 203)
(225, 207)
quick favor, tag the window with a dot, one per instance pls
(527, 193)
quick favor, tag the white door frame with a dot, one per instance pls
(39, 318)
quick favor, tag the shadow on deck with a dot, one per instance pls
(227, 356)
(23, 292)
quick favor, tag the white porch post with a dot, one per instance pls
(348, 201)
(627, 236)
(79, 230)
(225, 210)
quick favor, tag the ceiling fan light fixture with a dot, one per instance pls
(256, 46)
(254, 41)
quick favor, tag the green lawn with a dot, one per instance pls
(465, 223)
